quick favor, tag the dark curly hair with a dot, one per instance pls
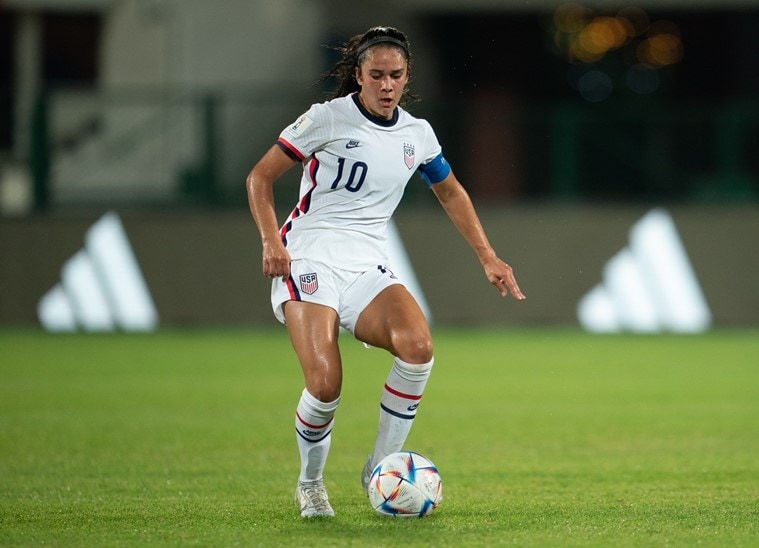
(353, 54)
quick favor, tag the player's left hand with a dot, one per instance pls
(501, 275)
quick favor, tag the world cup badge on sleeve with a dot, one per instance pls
(309, 283)
(297, 129)
(408, 155)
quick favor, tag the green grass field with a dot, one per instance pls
(542, 437)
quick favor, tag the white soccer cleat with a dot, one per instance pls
(312, 500)
(366, 474)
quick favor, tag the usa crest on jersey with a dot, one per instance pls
(309, 283)
(409, 155)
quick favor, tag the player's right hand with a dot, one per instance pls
(276, 260)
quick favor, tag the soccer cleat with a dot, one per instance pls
(366, 474)
(312, 500)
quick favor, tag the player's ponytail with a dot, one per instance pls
(354, 52)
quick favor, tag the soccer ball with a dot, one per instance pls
(405, 484)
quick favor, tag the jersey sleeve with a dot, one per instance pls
(307, 134)
(434, 167)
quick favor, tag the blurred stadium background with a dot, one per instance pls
(567, 122)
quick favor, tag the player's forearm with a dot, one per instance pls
(261, 203)
(464, 217)
(260, 187)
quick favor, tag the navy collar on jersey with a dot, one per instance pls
(371, 117)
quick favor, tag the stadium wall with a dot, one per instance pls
(203, 269)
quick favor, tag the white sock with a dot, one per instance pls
(313, 423)
(400, 400)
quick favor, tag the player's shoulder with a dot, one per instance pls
(406, 118)
(325, 108)
(317, 115)
(330, 110)
(338, 104)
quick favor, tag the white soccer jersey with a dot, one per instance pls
(355, 169)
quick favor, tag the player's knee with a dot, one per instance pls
(415, 348)
(324, 390)
(325, 394)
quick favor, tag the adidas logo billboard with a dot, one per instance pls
(403, 268)
(102, 288)
(648, 287)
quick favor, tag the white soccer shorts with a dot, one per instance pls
(347, 292)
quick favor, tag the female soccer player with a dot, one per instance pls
(329, 261)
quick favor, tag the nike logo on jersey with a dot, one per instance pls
(352, 144)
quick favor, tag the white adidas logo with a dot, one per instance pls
(648, 287)
(101, 288)
(403, 268)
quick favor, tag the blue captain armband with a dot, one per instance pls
(436, 170)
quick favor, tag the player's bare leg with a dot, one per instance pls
(394, 321)
(314, 332)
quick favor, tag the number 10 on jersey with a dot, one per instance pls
(356, 176)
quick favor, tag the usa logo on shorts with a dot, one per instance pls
(308, 283)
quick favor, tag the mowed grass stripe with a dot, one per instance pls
(542, 437)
